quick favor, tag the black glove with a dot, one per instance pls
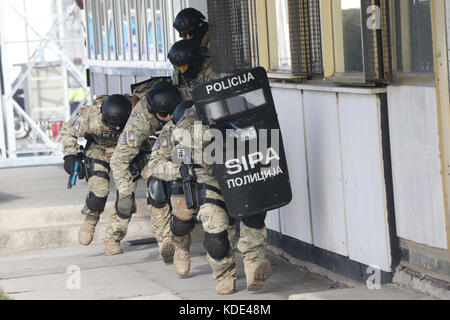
(137, 165)
(69, 163)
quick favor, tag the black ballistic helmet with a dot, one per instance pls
(189, 19)
(163, 98)
(186, 52)
(180, 110)
(116, 110)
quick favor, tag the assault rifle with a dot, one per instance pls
(190, 186)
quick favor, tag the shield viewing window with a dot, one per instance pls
(235, 105)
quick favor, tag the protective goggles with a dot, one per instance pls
(185, 34)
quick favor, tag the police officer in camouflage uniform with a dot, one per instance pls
(101, 124)
(156, 99)
(219, 228)
(182, 220)
(191, 66)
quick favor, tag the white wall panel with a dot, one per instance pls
(325, 171)
(113, 83)
(418, 188)
(364, 185)
(295, 217)
(127, 81)
(273, 220)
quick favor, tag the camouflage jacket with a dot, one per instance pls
(189, 137)
(161, 166)
(205, 75)
(160, 160)
(138, 134)
(88, 124)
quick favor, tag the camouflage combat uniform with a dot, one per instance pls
(214, 218)
(88, 124)
(162, 151)
(139, 133)
(102, 141)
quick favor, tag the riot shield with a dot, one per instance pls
(253, 174)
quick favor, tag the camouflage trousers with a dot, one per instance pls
(159, 218)
(180, 210)
(118, 227)
(252, 242)
(99, 186)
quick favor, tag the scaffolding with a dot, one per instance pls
(42, 92)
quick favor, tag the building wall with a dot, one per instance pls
(334, 150)
(416, 165)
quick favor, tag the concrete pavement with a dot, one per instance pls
(40, 258)
(138, 273)
(141, 274)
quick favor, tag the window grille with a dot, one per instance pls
(231, 39)
(305, 37)
(376, 39)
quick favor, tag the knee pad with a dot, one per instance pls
(157, 195)
(95, 203)
(256, 221)
(217, 244)
(180, 227)
(125, 207)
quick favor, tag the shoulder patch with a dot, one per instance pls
(164, 142)
(77, 125)
(131, 136)
(190, 113)
(123, 139)
(156, 146)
